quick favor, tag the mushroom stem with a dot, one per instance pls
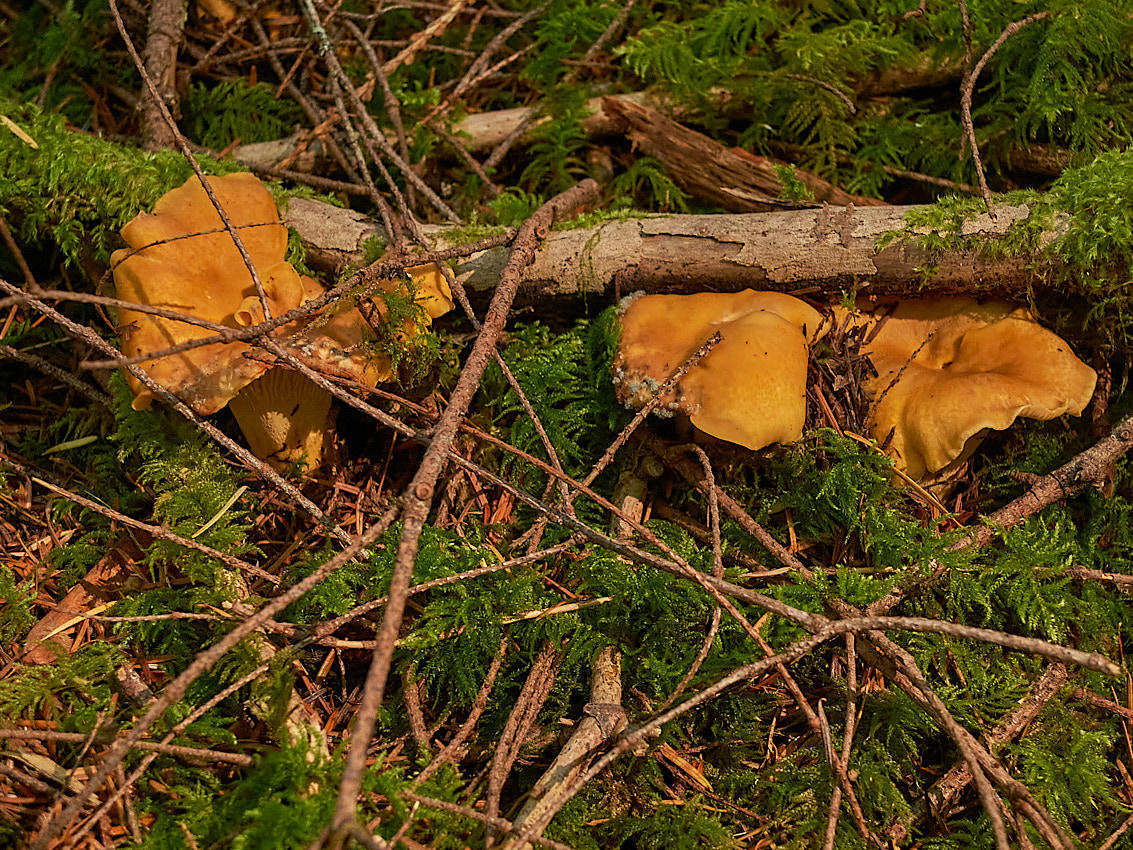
(285, 418)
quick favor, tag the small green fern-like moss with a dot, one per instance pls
(1091, 258)
(63, 45)
(565, 378)
(233, 110)
(79, 190)
(15, 616)
(76, 687)
(282, 802)
(1067, 764)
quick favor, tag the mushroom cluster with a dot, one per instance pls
(951, 369)
(948, 369)
(750, 389)
(182, 259)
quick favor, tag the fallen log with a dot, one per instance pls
(828, 250)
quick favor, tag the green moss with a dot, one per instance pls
(565, 378)
(233, 111)
(74, 689)
(78, 190)
(281, 802)
(469, 233)
(1090, 256)
(59, 57)
(1094, 258)
(15, 616)
(645, 186)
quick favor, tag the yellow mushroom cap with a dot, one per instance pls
(181, 258)
(951, 368)
(433, 293)
(750, 389)
(176, 263)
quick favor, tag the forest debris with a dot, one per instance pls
(164, 33)
(682, 766)
(950, 369)
(19, 133)
(100, 585)
(340, 234)
(943, 793)
(485, 130)
(729, 178)
(750, 389)
(603, 719)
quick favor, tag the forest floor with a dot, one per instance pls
(503, 609)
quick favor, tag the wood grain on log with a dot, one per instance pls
(729, 178)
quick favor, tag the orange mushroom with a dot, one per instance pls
(951, 369)
(750, 389)
(182, 259)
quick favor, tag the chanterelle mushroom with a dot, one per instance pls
(949, 369)
(182, 259)
(750, 389)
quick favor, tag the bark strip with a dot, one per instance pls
(729, 178)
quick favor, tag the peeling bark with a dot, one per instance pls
(729, 178)
(826, 250)
(483, 131)
(163, 39)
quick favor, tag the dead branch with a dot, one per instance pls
(520, 725)
(729, 178)
(164, 33)
(943, 793)
(199, 753)
(1085, 470)
(419, 494)
(603, 718)
(204, 661)
(830, 249)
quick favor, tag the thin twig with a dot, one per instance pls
(944, 791)
(479, 817)
(669, 384)
(49, 368)
(520, 721)
(374, 135)
(968, 86)
(847, 736)
(822, 630)
(203, 662)
(419, 494)
(21, 263)
(1081, 471)
(603, 718)
(717, 571)
(253, 462)
(919, 689)
(454, 747)
(477, 69)
(156, 531)
(151, 746)
(183, 144)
